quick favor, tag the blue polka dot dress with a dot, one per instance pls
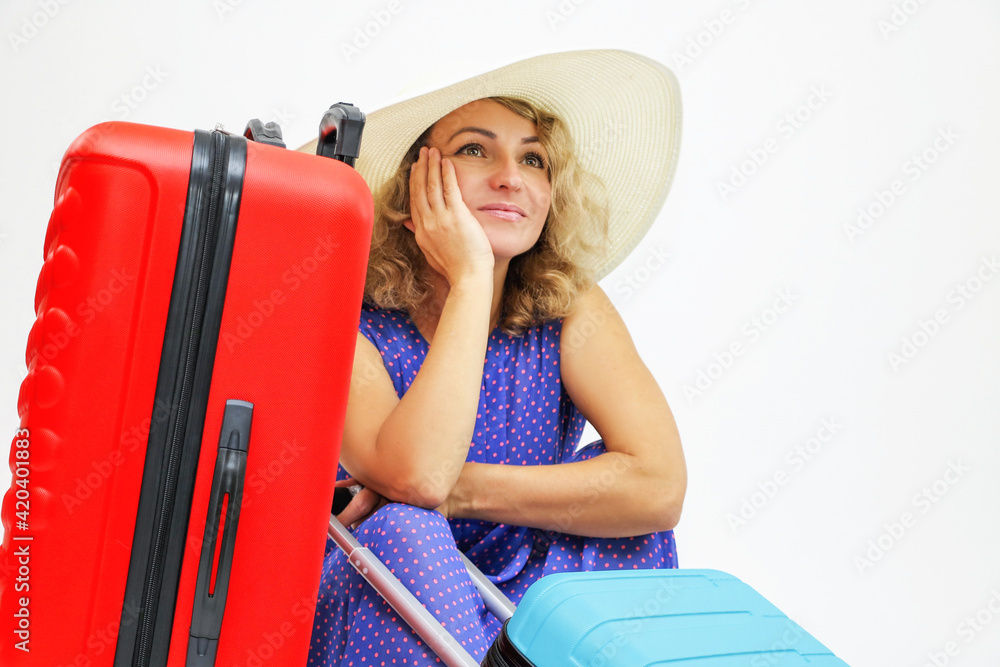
(524, 418)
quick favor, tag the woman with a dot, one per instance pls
(485, 344)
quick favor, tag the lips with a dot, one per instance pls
(503, 207)
(503, 211)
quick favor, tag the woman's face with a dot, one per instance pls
(502, 171)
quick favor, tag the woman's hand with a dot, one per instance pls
(362, 506)
(450, 237)
(367, 502)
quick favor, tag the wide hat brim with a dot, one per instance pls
(623, 111)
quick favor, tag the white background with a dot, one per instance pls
(887, 95)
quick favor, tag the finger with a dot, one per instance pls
(367, 515)
(449, 185)
(350, 481)
(435, 198)
(418, 187)
(408, 223)
(360, 507)
(379, 505)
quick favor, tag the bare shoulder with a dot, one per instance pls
(368, 366)
(593, 324)
(596, 351)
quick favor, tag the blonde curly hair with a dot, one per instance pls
(543, 283)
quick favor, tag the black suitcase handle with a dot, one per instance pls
(340, 133)
(264, 133)
(210, 594)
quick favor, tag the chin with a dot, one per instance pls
(509, 242)
(507, 248)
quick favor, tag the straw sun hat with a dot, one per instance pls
(623, 111)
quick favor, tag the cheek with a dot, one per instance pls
(543, 200)
(465, 181)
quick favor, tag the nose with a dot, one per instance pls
(506, 173)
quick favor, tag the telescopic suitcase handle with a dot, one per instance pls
(340, 133)
(409, 607)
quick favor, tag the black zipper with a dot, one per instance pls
(183, 383)
(152, 592)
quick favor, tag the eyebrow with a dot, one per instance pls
(491, 135)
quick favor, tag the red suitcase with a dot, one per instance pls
(196, 320)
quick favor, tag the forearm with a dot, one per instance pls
(611, 495)
(425, 440)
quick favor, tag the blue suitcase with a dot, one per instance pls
(640, 618)
(624, 618)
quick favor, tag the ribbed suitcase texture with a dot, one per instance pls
(88, 406)
(640, 618)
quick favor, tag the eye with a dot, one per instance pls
(474, 150)
(534, 160)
